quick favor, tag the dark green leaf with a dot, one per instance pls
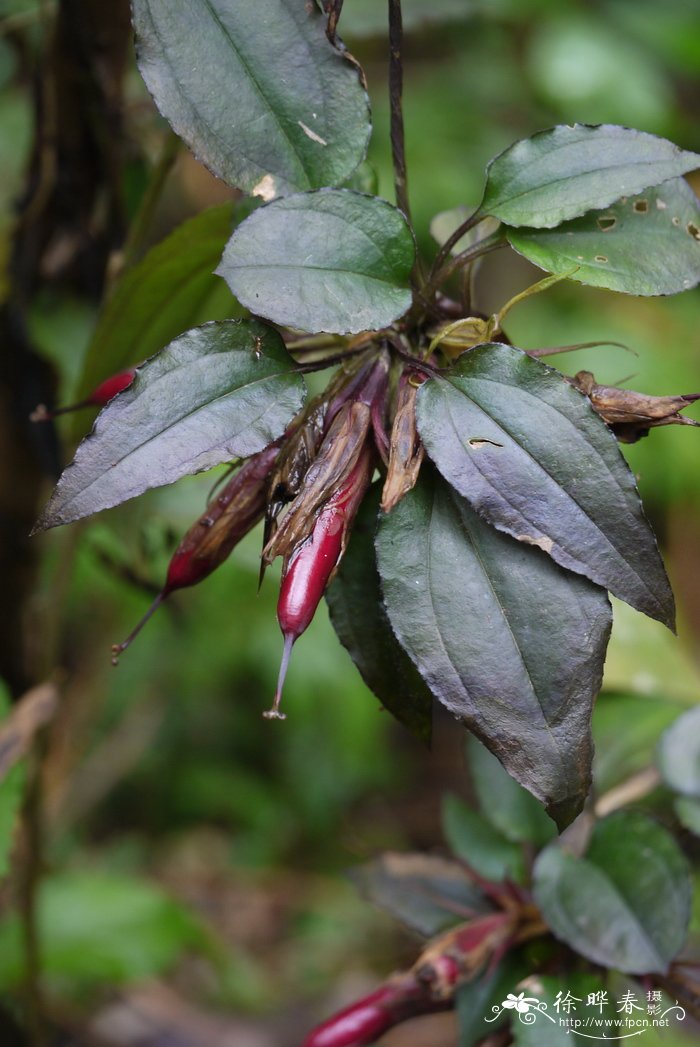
(425, 892)
(359, 618)
(99, 928)
(626, 904)
(626, 730)
(644, 245)
(171, 289)
(509, 807)
(512, 645)
(679, 754)
(221, 391)
(476, 1000)
(536, 461)
(565, 171)
(334, 260)
(482, 847)
(255, 89)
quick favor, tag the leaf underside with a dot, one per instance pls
(255, 89)
(506, 640)
(334, 260)
(533, 458)
(565, 171)
(221, 391)
(647, 244)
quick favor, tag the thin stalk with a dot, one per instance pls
(398, 150)
(453, 239)
(491, 243)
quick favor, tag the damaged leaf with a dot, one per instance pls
(631, 415)
(527, 451)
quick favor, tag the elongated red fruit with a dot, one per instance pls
(210, 540)
(99, 397)
(309, 568)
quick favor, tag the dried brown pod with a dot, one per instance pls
(406, 451)
(631, 415)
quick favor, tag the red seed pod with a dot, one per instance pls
(99, 397)
(210, 540)
(361, 1023)
(309, 568)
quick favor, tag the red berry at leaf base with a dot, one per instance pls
(210, 540)
(308, 570)
(99, 397)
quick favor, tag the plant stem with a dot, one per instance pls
(398, 153)
(453, 239)
(491, 243)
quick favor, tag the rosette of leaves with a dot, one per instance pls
(485, 587)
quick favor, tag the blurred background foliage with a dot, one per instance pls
(194, 852)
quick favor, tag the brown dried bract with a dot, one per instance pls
(406, 452)
(336, 458)
(631, 415)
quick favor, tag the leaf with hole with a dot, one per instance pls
(423, 891)
(507, 641)
(359, 618)
(533, 458)
(172, 288)
(565, 171)
(679, 754)
(255, 89)
(334, 260)
(626, 903)
(645, 245)
(221, 391)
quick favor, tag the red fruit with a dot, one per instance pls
(210, 540)
(310, 566)
(99, 397)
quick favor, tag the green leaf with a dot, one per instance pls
(476, 1000)
(359, 618)
(679, 754)
(645, 245)
(626, 730)
(627, 903)
(565, 171)
(100, 928)
(534, 459)
(509, 807)
(425, 892)
(221, 391)
(171, 289)
(482, 847)
(521, 672)
(334, 260)
(255, 89)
